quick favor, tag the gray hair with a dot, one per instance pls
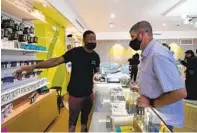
(142, 25)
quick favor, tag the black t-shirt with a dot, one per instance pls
(84, 66)
(133, 62)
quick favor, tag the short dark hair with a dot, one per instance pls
(69, 35)
(166, 45)
(142, 25)
(87, 33)
(190, 52)
(137, 55)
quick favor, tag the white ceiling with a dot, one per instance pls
(95, 14)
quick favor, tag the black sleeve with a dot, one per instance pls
(68, 56)
(98, 60)
(138, 62)
(183, 63)
(97, 64)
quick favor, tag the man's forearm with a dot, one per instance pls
(47, 64)
(170, 97)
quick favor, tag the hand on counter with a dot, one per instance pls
(135, 89)
(143, 101)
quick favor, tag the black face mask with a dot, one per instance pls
(90, 46)
(135, 44)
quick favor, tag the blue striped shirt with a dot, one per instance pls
(159, 74)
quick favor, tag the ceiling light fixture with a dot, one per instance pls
(174, 7)
(191, 19)
(44, 5)
(186, 21)
(164, 24)
(111, 25)
(112, 15)
(184, 16)
(195, 25)
(191, 23)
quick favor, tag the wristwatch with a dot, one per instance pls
(152, 102)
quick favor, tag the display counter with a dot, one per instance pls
(190, 108)
(103, 120)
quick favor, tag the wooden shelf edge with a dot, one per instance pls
(25, 106)
(18, 87)
(23, 50)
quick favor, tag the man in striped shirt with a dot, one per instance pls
(160, 84)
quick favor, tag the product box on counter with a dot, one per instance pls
(125, 124)
(117, 102)
(118, 109)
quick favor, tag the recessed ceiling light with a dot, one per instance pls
(44, 5)
(184, 16)
(195, 25)
(112, 15)
(111, 25)
(186, 21)
(164, 24)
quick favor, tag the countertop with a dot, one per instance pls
(192, 103)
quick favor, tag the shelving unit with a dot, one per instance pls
(18, 114)
(19, 91)
(13, 9)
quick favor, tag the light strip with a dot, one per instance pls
(173, 7)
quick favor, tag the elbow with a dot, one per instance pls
(183, 93)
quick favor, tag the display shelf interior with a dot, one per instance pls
(11, 8)
(25, 106)
(6, 86)
(5, 72)
(10, 71)
(19, 90)
(22, 50)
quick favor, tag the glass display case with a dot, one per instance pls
(109, 68)
(136, 119)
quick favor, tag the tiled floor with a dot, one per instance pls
(61, 123)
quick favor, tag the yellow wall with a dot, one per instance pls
(119, 53)
(178, 52)
(54, 41)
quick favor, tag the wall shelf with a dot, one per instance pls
(14, 93)
(22, 50)
(6, 86)
(25, 106)
(15, 10)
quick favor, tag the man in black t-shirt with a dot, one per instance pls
(85, 63)
(190, 63)
(133, 65)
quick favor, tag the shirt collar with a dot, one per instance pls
(148, 48)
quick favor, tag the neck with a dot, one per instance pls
(146, 42)
(87, 50)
